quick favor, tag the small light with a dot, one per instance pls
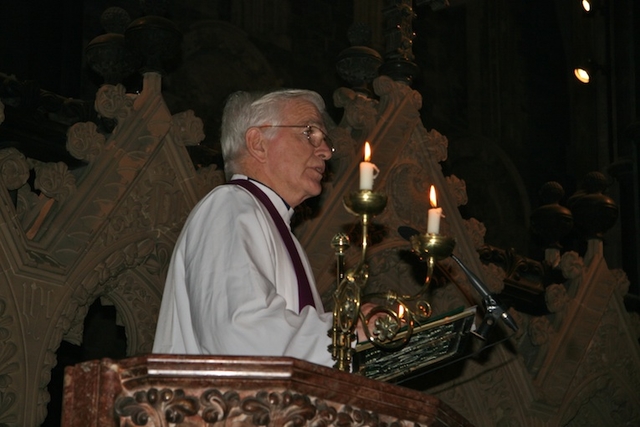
(582, 75)
(586, 5)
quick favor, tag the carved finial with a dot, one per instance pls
(107, 54)
(551, 192)
(399, 37)
(594, 212)
(358, 65)
(115, 20)
(156, 40)
(551, 222)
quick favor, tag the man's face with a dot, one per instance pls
(294, 165)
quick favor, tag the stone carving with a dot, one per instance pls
(54, 180)
(437, 145)
(571, 265)
(9, 365)
(84, 142)
(187, 128)
(457, 188)
(113, 102)
(556, 298)
(475, 231)
(137, 305)
(409, 194)
(209, 177)
(360, 111)
(539, 331)
(14, 169)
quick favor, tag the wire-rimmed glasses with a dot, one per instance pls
(314, 134)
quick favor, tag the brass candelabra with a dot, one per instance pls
(380, 322)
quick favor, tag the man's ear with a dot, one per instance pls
(256, 144)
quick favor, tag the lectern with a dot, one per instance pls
(167, 390)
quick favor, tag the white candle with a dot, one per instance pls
(368, 171)
(434, 214)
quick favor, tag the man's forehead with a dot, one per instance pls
(303, 109)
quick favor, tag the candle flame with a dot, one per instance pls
(367, 152)
(401, 311)
(432, 197)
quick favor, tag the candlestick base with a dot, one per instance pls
(365, 202)
(433, 245)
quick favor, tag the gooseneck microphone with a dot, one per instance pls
(494, 310)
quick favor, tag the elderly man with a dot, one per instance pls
(239, 282)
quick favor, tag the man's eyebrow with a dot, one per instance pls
(318, 124)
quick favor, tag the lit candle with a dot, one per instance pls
(368, 171)
(401, 311)
(435, 213)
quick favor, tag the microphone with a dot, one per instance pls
(494, 310)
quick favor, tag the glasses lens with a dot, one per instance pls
(317, 136)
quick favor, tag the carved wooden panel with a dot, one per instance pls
(162, 390)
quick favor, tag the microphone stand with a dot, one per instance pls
(493, 310)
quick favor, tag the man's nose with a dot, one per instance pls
(324, 150)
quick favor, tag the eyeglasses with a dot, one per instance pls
(314, 134)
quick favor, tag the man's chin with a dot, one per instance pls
(316, 189)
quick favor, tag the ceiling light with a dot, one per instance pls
(582, 74)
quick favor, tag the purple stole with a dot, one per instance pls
(305, 297)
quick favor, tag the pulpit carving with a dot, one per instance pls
(164, 407)
(200, 391)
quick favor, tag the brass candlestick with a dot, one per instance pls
(347, 298)
(366, 204)
(431, 248)
(383, 321)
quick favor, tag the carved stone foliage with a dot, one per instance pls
(187, 129)
(207, 178)
(138, 304)
(84, 142)
(8, 367)
(457, 189)
(54, 180)
(134, 298)
(164, 407)
(14, 169)
(113, 102)
(606, 386)
(408, 190)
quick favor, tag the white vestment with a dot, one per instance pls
(231, 287)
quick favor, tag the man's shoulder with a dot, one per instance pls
(228, 195)
(225, 203)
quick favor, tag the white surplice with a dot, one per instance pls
(231, 288)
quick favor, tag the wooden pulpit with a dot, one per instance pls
(167, 390)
